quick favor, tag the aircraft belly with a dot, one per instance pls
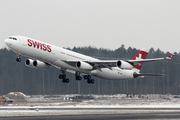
(114, 74)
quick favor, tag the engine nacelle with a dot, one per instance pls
(40, 65)
(84, 65)
(124, 65)
(29, 63)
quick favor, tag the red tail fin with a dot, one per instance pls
(142, 54)
(172, 55)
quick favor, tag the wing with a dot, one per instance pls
(115, 63)
(150, 60)
(119, 63)
(95, 64)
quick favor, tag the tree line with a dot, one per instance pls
(16, 77)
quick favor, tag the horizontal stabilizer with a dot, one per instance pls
(146, 74)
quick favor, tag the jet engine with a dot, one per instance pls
(40, 65)
(36, 64)
(83, 65)
(29, 63)
(124, 65)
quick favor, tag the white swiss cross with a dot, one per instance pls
(140, 57)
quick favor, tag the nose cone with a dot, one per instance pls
(7, 41)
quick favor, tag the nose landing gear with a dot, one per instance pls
(18, 59)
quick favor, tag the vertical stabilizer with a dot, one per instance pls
(142, 54)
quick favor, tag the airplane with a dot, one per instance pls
(42, 55)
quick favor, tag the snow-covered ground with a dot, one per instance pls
(97, 104)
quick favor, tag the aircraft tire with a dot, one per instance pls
(88, 81)
(18, 59)
(85, 77)
(88, 77)
(63, 80)
(67, 80)
(78, 78)
(60, 76)
(64, 76)
(92, 81)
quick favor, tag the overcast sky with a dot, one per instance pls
(98, 23)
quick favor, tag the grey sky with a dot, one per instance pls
(99, 23)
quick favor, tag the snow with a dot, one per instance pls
(101, 104)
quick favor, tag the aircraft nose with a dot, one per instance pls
(6, 41)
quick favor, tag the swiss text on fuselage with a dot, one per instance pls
(39, 45)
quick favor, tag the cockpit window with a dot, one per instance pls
(12, 38)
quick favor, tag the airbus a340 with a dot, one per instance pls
(42, 55)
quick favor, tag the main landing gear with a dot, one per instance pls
(89, 80)
(18, 59)
(78, 77)
(63, 77)
(86, 77)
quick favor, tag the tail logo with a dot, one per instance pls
(171, 56)
(139, 58)
(141, 55)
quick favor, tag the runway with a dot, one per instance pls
(53, 111)
(100, 117)
(46, 113)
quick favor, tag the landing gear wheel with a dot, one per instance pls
(18, 59)
(90, 81)
(60, 76)
(65, 80)
(78, 77)
(64, 76)
(89, 77)
(85, 77)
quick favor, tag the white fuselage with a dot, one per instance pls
(56, 56)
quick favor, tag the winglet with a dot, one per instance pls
(170, 56)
